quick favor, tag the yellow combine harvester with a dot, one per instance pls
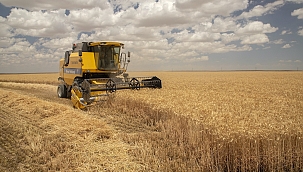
(95, 69)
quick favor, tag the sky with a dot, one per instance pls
(168, 35)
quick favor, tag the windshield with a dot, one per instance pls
(107, 57)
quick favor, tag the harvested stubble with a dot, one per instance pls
(38, 135)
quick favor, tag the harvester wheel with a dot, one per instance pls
(134, 84)
(110, 86)
(62, 91)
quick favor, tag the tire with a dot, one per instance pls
(62, 91)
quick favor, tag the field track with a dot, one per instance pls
(40, 91)
(12, 127)
(128, 125)
(33, 121)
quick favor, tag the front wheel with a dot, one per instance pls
(62, 91)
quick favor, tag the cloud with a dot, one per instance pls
(295, 1)
(39, 24)
(285, 61)
(16, 46)
(163, 20)
(5, 29)
(260, 10)
(290, 61)
(286, 46)
(33, 5)
(224, 24)
(254, 32)
(255, 39)
(256, 27)
(58, 43)
(90, 19)
(198, 59)
(229, 37)
(208, 8)
(298, 12)
(184, 36)
(286, 32)
(279, 41)
(159, 14)
(300, 32)
(6, 42)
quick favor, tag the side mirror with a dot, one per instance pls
(80, 53)
(66, 58)
(128, 59)
(128, 54)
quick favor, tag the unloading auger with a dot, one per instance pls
(92, 70)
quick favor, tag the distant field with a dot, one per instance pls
(198, 121)
(45, 78)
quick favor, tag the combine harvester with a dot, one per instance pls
(95, 69)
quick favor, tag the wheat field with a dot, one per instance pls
(198, 121)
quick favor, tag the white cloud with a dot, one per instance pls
(279, 41)
(6, 42)
(300, 32)
(285, 61)
(152, 14)
(153, 45)
(129, 33)
(255, 39)
(190, 54)
(224, 24)
(295, 1)
(58, 43)
(256, 27)
(286, 46)
(209, 8)
(21, 46)
(265, 48)
(198, 59)
(54, 5)
(297, 61)
(298, 12)
(38, 23)
(254, 33)
(5, 29)
(260, 10)
(229, 37)
(90, 19)
(286, 32)
(184, 36)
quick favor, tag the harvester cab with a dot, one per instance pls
(92, 70)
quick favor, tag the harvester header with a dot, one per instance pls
(95, 69)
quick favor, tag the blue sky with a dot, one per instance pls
(161, 35)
